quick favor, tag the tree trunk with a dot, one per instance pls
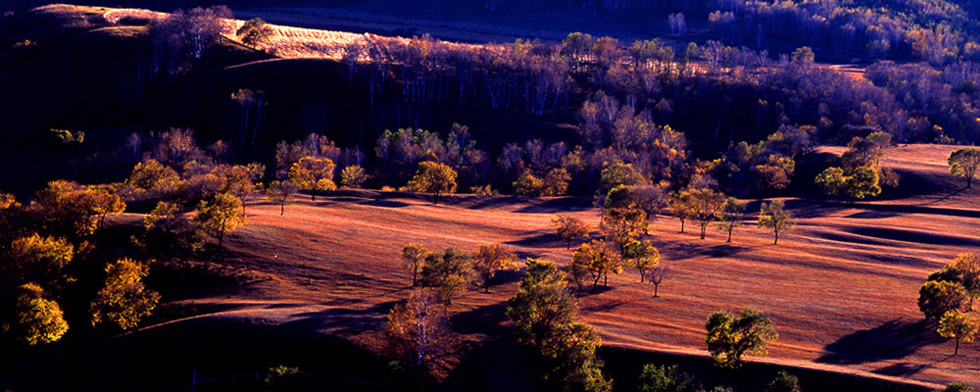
(282, 209)
(656, 288)
(776, 239)
(956, 351)
(730, 233)
(682, 225)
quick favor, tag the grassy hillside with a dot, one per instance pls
(841, 288)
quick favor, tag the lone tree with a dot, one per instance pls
(220, 215)
(280, 192)
(729, 337)
(597, 259)
(39, 320)
(657, 276)
(776, 219)
(491, 258)
(313, 174)
(964, 270)
(124, 299)
(254, 32)
(418, 330)
(642, 256)
(730, 216)
(570, 228)
(413, 257)
(964, 163)
(433, 178)
(957, 326)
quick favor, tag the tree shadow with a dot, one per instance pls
(914, 236)
(343, 321)
(894, 339)
(543, 240)
(902, 369)
(489, 319)
(558, 204)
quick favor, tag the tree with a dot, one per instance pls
(433, 178)
(598, 259)
(254, 32)
(448, 271)
(776, 219)
(667, 379)
(489, 259)
(957, 387)
(39, 320)
(151, 179)
(863, 182)
(682, 206)
(528, 184)
(705, 205)
(955, 325)
(168, 230)
(353, 176)
(642, 256)
(124, 299)
(555, 183)
(219, 216)
(784, 382)
(544, 312)
(240, 181)
(623, 225)
(105, 201)
(729, 337)
(44, 260)
(964, 163)
(313, 174)
(832, 181)
(418, 331)
(66, 208)
(280, 192)
(657, 276)
(570, 228)
(730, 216)
(965, 270)
(938, 297)
(619, 174)
(413, 257)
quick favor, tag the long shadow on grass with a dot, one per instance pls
(920, 237)
(556, 205)
(487, 319)
(895, 339)
(343, 321)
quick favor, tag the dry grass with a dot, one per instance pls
(842, 288)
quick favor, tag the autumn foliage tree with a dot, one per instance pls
(280, 192)
(776, 219)
(642, 256)
(729, 337)
(964, 163)
(448, 271)
(544, 315)
(418, 329)
(957, 326)
(219, 216)
(489, 259)
(413, 257)
(313, 174)
(39, 320)
(254, 32)
(124, 300)
(433, 178)
(730, 216)
(570, 228)
(596, 259)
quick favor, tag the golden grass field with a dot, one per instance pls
(842, 287)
